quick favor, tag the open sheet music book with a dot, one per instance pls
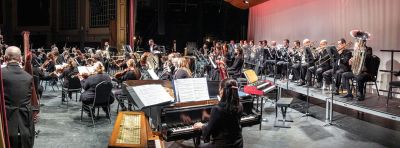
(153, 74)
(191, 89)
(152, 94)
(85, 69)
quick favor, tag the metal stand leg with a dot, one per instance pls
(307, 113)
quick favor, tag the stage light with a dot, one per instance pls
(246, 2)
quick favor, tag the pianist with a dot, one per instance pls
(224, 124)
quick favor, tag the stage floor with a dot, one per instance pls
(61, 127)
(373, 104)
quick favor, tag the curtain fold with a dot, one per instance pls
(331, 20)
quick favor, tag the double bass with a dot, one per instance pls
(28, 68)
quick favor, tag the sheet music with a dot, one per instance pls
(153, 74)
(192, 89)
(85, 69)
(152, 94)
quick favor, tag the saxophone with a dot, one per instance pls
(359, 52)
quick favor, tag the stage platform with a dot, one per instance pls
(373, 104)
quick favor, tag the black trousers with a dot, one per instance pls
(300, 70)
(269, 65)
(282, 68)
(360, 80)
(336, 75)
(317, 71)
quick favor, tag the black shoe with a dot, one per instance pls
(318, 85)
(301, 83)
(308, 85)
(348, 96)
(360, 98)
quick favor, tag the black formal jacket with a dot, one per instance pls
(224, 127)
(309, 58)
(345, 56)
(237, 65)
(67, 74)
(130, 75)
(89, 85)
(17, 94)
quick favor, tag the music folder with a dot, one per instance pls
(149, 95)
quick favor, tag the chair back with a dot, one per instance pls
(251, 76)
(74, 83)
(102, 93)
(375, 66)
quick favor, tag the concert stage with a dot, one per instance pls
(372, 104)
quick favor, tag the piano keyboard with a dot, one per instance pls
(179, 129)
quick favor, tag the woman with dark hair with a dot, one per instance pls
(224, 124)
(236, 69)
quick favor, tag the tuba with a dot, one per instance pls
(359, 52)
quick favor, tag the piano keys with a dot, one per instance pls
(132, 130)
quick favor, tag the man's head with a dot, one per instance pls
(323, 43)
(273, 43)
(296, 43)
(151, 42)
(105, 43)
(286, 42)
(13, 54)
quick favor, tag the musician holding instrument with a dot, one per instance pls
(236, 68)
(306, 61)
(284, 60)
(224, 121)
(365, 74)
(130, 73)
(295, 58)
(182, 70)
(67, 73)
(89, 85)
(342, 65)
(18, 90)
(49, 67)
(320, 66)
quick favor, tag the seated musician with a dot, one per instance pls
(49, 67)
(89, 85)
(270, 54)
(236, 68)
(342, 66)
(130, 73)
(364, 76)
(183, 70)
(295, 58)
(17, 95)
(320, 66)
(306, 61)
(283, 63)
(69, 71)
(224, 122)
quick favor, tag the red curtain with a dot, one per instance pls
(331, 20)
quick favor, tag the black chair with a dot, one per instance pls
(376, 62)
(393, 84)
(101, 99)
(74, 86)
(49, 81)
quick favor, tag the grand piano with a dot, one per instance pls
(175, 121)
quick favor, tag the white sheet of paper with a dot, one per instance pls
(83, 69)
(153, 74)
(192, 89)
(152, 94)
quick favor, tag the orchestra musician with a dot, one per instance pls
(59, 59)
(89, 85)
(17, 94)
(182, 70)
(38, 74)
(283, 60)
(342, 66)
(224, 120)
(130, 73)
(152, 46)
(271, 55)
(295, 58)
(306, 61)
(365, 75)
(67, 73)
(49, 67)
(320, 66)
(236, 68)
